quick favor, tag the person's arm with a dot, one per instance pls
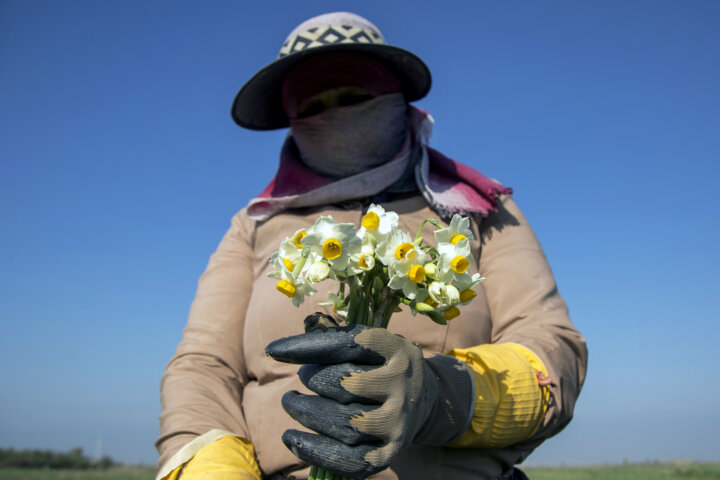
(528, 379)
(203, 383)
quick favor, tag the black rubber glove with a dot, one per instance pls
(377, 395)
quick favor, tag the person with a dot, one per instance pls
(470, 399)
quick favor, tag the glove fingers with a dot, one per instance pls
(386, 344)
(326, 347)
(327, 381)
(327, 417)
(390, 380)
(331, 454)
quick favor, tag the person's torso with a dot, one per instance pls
(270, 316)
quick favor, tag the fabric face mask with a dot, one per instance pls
(345, 141)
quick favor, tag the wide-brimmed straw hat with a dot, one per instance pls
(258, 104)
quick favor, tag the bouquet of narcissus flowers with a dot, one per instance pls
(378, 267)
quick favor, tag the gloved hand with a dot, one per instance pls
(377, 395)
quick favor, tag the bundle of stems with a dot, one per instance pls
(370, 303)
(317, 473)
(431, 280)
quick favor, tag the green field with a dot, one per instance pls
(696, 471)
(119, 473)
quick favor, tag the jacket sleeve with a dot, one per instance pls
(509, 399)
(216, 457)
(527, 311)
(202, 386)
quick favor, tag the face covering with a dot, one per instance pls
(344, 141)
(330, 71)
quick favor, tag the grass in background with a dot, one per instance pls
(115, 473)
(685, 470)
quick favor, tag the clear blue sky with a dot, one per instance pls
(120, 169)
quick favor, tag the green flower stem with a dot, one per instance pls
(298, 268)
(378, 291)
(354, 307)
(367, 299)
(427, 220)
(378, 314)
(366, 307)
(313, 473)
(393, 302)
(432, 251)
(407, 302)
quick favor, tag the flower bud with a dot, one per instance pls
(318, 272)
(451, 313)
(452, 295)
(431, 270)
(437, 291)
(423, 307)
(467, 295)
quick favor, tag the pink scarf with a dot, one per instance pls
(449, 186)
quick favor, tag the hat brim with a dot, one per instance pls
(258, 104)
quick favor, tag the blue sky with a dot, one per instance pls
(120, 169)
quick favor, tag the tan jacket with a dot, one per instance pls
(220, 376)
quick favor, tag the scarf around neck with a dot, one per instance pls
(449, 186)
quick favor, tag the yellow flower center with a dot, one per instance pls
(416, 273)
(288, 264)
(297, 238)
(371, 221)
(460, 264)
(457, 237)
(403, 250)
(451, 313)
(286, 288)
(431, 302)
(467, 295)
(332, 249)
(362, 262)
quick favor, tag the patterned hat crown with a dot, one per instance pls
(258, 104)
(331, 29)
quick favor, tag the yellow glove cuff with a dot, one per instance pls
(511, 394)
(228, 458)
